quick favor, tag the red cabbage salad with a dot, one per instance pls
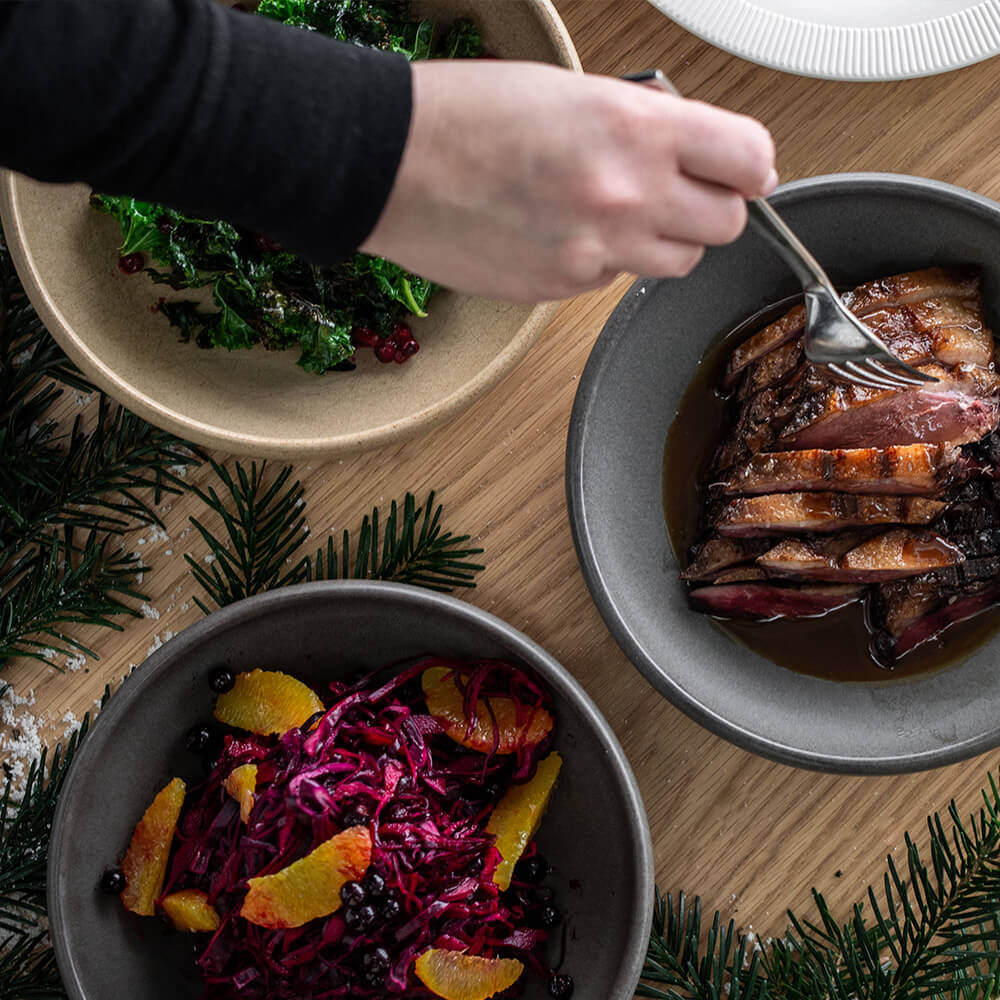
(378, 841)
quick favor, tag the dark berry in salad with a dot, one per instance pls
(113, 882)
(221, 680)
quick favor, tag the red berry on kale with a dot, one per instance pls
(131, 263)
(364, 336)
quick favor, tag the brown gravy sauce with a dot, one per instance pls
(834, 646)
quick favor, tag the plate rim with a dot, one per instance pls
(601, 594)
(840, 52)
(144, 677)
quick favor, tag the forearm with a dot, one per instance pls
(212, 111)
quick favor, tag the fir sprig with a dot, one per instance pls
(100, 478)
(27, 963)
(58, 583)
(931, 930)
(264, 532)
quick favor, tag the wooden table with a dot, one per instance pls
(750, 836)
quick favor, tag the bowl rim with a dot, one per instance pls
(207, 434)
(174, 652)
(601, 592)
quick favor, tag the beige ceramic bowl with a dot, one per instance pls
(257, 402)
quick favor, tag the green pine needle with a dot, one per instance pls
(264, 532)
(930, 930)
(27, 963)
(58, 583)
(99, 478)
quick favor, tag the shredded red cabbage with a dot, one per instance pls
(374, 757)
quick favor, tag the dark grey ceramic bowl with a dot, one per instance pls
(595, 831)
(859, 226)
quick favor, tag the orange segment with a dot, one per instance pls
(445, 703)
(241, 784)
(310, 887)
(519, 814)
(267, 701)
(145, 863)
(190, 911)
(453, 975)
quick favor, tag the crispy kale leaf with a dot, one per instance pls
(257, 293)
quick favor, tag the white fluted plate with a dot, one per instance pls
(847, 39)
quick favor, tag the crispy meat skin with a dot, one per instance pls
(798, 513)
(918, 469)
(889, 556)
(901, 289)
(716, 555)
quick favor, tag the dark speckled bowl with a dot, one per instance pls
(859, 226)
(595, 833)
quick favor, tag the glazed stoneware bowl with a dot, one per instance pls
(859, 226)
(595, 833)
(259, 402)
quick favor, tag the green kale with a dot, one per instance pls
(260, 293)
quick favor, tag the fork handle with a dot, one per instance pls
(787, 245)
(765, 219)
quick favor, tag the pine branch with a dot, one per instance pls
(24, 835)
(28, 969)
(933, 931)
(92, 479)
(264, 531)
(101, 476)
(433, 559)
(27, 963)
(264, 528)
(59, 583)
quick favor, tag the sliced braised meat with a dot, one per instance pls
(906, 617)
(946, 330)
(920, 469)
(768, 601)
(717, 554)
(773, 369)
(963, 406)
(741, 574)
(799, 513)
(826, 493)
(889, 556)
(901, 289)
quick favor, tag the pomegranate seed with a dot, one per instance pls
(402, 333)
(410, 348)
(385, 352)
(399, 357)
(131, 263)
(363, 336)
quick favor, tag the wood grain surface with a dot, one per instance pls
(750, 836)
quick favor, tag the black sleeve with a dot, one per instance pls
(212, 111)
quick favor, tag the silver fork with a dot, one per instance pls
(834, 337)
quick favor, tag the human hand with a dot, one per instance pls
(528, 182)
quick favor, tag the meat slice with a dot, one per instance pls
(963, 406)
(922, 469)
(791, 513)
(715, 555)
(767, 601)
(901, 289)
(948, 330)
(909, 613)
(945, 330)
(889, 556)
